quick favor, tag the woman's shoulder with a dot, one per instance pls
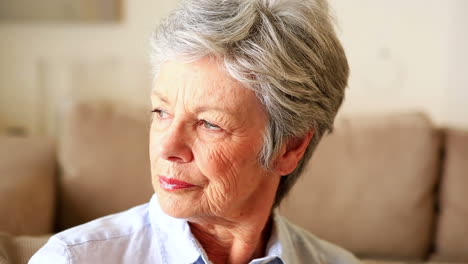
(100, 240)
(302, 246)
(107, 227)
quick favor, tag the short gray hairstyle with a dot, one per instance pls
(286, 51)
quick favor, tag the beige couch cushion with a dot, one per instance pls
(27, 185)
(371, 261)
(19, 249)
(370, 186)
(104, 157)
(404, 262)
(452, 229)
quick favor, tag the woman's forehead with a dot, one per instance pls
(203, 83)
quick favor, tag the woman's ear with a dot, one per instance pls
(291, 153)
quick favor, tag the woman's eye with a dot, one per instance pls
(210, 126)
(161, 114)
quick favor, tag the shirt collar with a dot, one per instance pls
(178, 245)
(274, 247)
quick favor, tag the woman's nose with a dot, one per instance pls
(175, 144)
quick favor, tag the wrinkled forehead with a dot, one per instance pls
(201, 82)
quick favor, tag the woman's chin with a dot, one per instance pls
(177, 208)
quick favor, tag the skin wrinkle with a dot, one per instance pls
(222, 241)
(229, 183)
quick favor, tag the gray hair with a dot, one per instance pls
(286, 51)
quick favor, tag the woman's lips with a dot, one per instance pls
(170, 184)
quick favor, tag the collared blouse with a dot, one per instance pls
(145, 234)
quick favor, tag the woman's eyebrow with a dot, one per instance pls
(159, 96)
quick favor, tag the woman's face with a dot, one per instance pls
(206, 134)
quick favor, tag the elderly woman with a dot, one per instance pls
(244, 90)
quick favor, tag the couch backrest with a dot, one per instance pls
(370, 186)
(103, 154)
(27, 185)
(452, 228)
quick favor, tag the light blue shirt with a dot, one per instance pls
(145, 234)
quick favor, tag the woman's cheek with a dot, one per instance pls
(216, 199)
(219, 168)
(223, 161)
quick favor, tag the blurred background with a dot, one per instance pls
(398, 190)
(404, 55)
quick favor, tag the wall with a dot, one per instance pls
(455, 110)
(403, 55)
(45, 65)
(406, 55)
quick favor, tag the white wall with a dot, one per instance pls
(407, 55)
(455, 110)
(403, 55)
(44, 64)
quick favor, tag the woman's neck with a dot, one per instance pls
(233, 243)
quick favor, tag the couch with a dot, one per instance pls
(390, 187)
